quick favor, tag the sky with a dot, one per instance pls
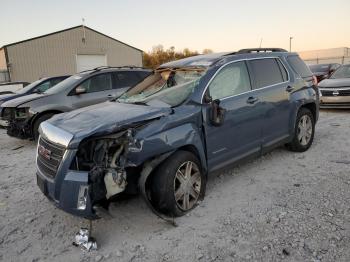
(220, 25)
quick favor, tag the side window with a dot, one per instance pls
(126, 79)
(266, 72)
(233, 79)
(98, 83)
(43, 87)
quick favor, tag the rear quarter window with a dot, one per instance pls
(299, 66)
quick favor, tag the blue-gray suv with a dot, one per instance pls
(165, 135)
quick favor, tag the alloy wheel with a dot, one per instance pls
(305, 130)
(187, 185)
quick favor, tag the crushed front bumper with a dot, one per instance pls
(19, 129)
(67, 193)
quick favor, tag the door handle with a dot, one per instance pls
(252, 100)
(109, 95)
(289, 88)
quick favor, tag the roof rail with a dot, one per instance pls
(258, 50)
(107, 67)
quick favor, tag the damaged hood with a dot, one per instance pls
(23, 99)
(104, 118)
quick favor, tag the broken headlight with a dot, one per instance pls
(21, 113)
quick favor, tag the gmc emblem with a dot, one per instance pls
(44, 152)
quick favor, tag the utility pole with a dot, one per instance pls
(290, 43)
(84, 36)
(260, 42)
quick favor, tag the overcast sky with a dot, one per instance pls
(221, 25)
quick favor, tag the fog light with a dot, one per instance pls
(82, 197)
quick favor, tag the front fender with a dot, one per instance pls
(170, 140)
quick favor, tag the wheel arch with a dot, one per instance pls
(38, 115)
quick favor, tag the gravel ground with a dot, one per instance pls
(281, 207)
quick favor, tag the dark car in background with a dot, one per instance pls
(38, 86)
(164, 136)
(336, 89)
(24, 114)
(323, 71)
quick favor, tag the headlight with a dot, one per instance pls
(21, 113)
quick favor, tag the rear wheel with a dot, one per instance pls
(178, 184)
(37, 123)
(304, 131)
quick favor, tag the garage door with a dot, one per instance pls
(86, 62)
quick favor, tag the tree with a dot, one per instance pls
(158, 55)
(207, 51)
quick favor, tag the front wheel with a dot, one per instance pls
(304, 131)
(178, 184)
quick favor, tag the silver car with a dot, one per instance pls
(25, 114)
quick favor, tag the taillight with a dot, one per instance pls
(314, 80)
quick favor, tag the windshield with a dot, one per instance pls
(342, 72)
(29, 87)
(61, 86)
(170, 86)
(319, 68)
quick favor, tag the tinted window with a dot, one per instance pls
(98, 83)
(266, 72)
(299, 66)
(143, 74)
(126, 79)
(233, 79)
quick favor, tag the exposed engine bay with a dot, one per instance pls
(105, 160)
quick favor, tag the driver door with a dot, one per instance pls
(98, 89)
(240, 133)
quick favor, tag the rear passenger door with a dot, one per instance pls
(240, 134)
(272, 86)
(98, 89)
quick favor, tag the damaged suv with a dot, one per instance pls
(165, 135)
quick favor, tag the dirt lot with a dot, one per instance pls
(283, 206)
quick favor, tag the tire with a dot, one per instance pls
(37, 123)
(304, 131)
(166, 182)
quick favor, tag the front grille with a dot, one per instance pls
(49, 157)
(341, 92)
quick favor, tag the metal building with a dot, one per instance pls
(64, 52)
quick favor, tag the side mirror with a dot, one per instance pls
(217, 113)
(80, 90)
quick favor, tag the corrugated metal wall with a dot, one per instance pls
(56, 54)
(2, 59)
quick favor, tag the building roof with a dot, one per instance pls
(64, 30)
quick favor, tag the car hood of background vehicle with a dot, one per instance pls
(105, 118)
(341, 82)
(23, 99)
